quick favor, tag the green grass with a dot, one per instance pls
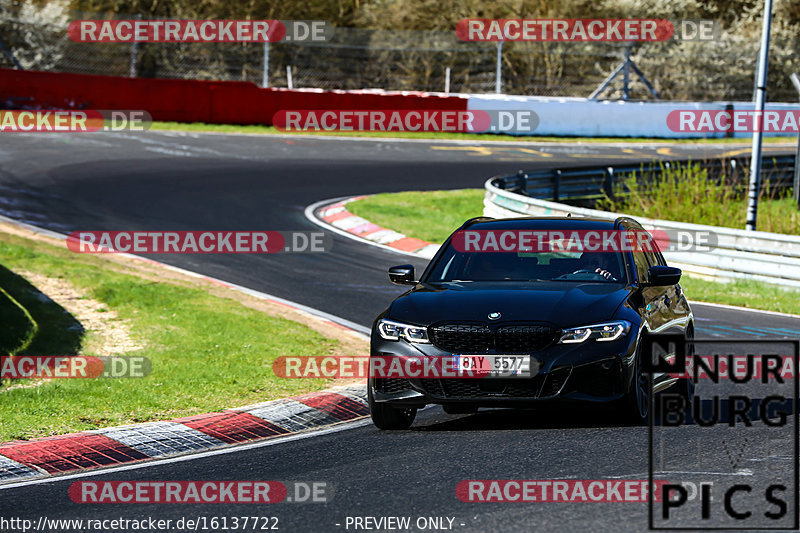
(434, 136)
(716, 203)
(434, 215)
(207, 352)
(428, 215)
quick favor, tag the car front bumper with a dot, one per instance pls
(591, 372)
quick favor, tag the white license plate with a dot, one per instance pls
(494, 366)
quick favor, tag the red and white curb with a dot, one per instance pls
(334, 215)
(156, 440)
(41, 458)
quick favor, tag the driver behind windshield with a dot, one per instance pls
(603, 263)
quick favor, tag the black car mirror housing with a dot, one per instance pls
(402, 275)
(663, 276)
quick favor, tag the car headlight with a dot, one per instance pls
(393, 331)
(607, 331)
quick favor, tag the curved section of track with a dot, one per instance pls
(193, 182)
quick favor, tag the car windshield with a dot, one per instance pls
(456, 266)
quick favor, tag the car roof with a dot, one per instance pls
(560, 223)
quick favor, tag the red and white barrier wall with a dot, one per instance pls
(213, 102)
(230, 102)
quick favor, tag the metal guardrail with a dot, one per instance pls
(758, 255)
(592, 183)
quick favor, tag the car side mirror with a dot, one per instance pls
(402, 275)
(663, 276)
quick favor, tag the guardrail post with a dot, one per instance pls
(498, 79)
(265, 68)
(522, 180)
(134, 54)
(556, 184)
(729, 111)
(796, 182)
(608, 182)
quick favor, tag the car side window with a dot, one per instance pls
(640, 262)
(652, 258)
(654, 255)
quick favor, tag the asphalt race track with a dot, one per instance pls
(172, 181)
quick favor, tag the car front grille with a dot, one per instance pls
(432, 387)
(462, 338)
(522, 339)
(484, 388)
(476, 339)
(392, 385)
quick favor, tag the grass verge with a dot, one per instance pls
(208, 352)
(428, 215)
(435, 136)
(434, 215)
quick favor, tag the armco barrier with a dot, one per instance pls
(214, 102)
(593, 182)
(758, 255)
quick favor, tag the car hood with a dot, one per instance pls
(563, 304)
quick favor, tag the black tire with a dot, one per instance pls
(385, 416)
(635, 405)
(460, 408)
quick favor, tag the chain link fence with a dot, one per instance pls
(34, 37)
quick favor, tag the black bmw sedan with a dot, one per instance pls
(513, 312)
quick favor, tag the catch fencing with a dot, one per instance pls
(34, 37)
